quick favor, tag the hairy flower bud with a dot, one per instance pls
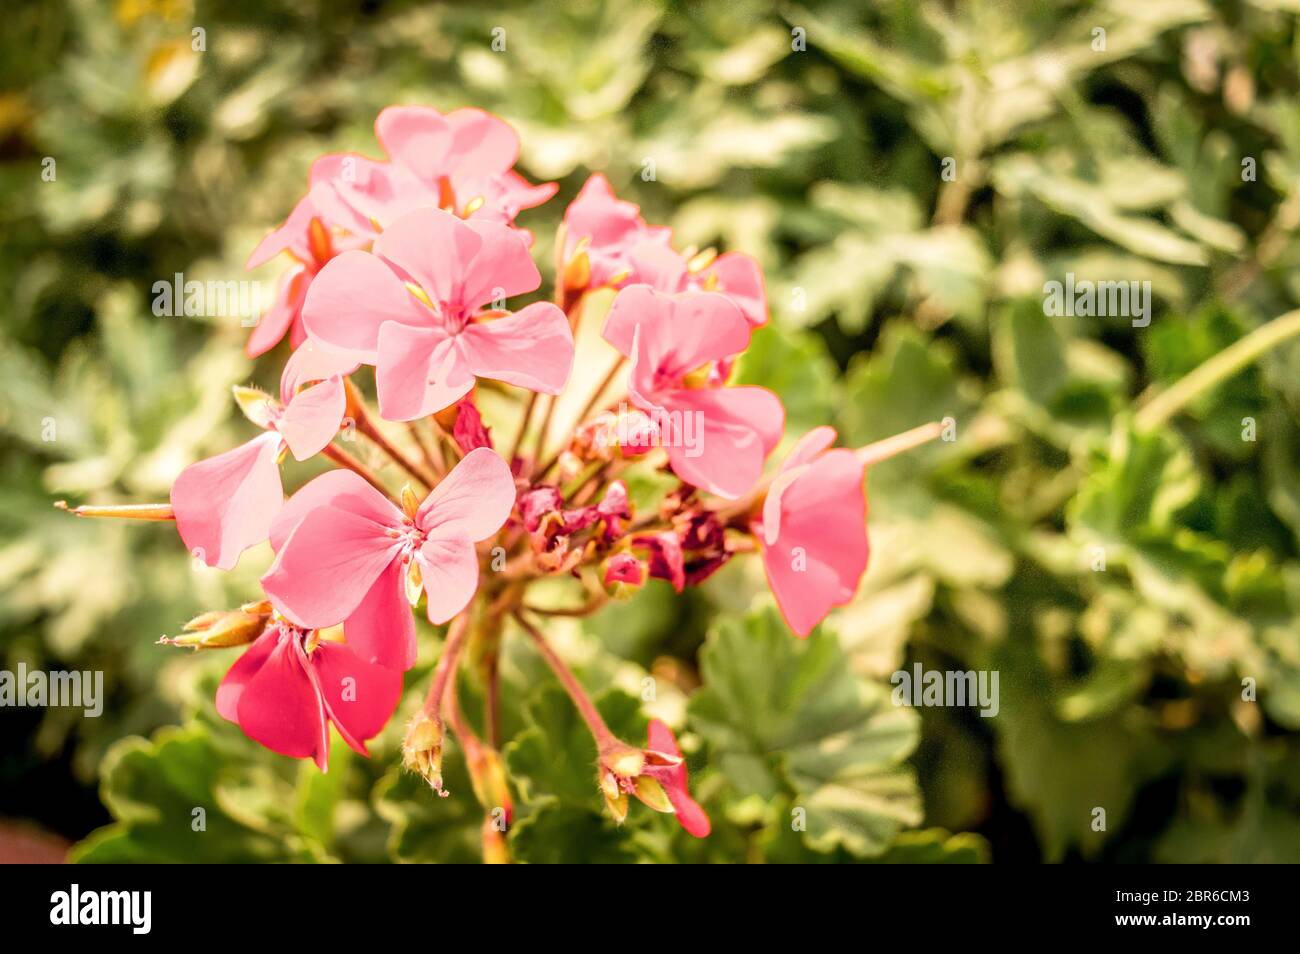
(422, 750)
(221, 629)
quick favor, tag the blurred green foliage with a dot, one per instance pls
(1123, 582)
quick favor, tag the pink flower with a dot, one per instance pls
(656, 775)
(466, 157)
(311, 235)
(733, 274)
(413, 309)
(716, 437)
(290, 686)
(225, 504)
(660, 738)
(814, 530)
(344, 551)
(606, 229)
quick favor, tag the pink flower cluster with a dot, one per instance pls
(410, 265)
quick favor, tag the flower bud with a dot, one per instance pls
(623, 575)
(221, 629)
(422, 751)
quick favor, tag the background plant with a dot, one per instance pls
(898, 297)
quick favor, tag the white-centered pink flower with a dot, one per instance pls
(346, 553)
(415, 309)
(466, 157)
(716, 437)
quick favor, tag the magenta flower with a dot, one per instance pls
(813, 530)
(413, 309)
(225, 504)
(291, 685)
(716, 437)
(344, 551)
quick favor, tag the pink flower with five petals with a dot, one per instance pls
(414, 309)
(716, 437)
(467, 157)
(344, 551)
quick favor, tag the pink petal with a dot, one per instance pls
(475, 499)
(677, 334)
(807, 448)
(327, 565)
(382, 629)
(417, 137)
(225, 504)
(449, 565)
(418, 371)
(689, 813)
(482, 143)
(532, 348)
(360, 697)
(313, 362)
(501, 269)
(741, 280)
(285, 312)
(312, 418)
(511, 193)
(636, 305)
(280, 709)
(823, 517)
(340, 489)
(803, 453)
(290, 237)
(657, 265)
(731, 431)
(351, 298)
(435, 250)
(245, 668)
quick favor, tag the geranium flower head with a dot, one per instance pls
(415, 309)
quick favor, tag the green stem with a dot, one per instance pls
(586, 708)
(1216, 370)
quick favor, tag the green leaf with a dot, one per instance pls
(428, 829)
(180, 798)
(555, 833)
(785, 718)
(555, 756)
